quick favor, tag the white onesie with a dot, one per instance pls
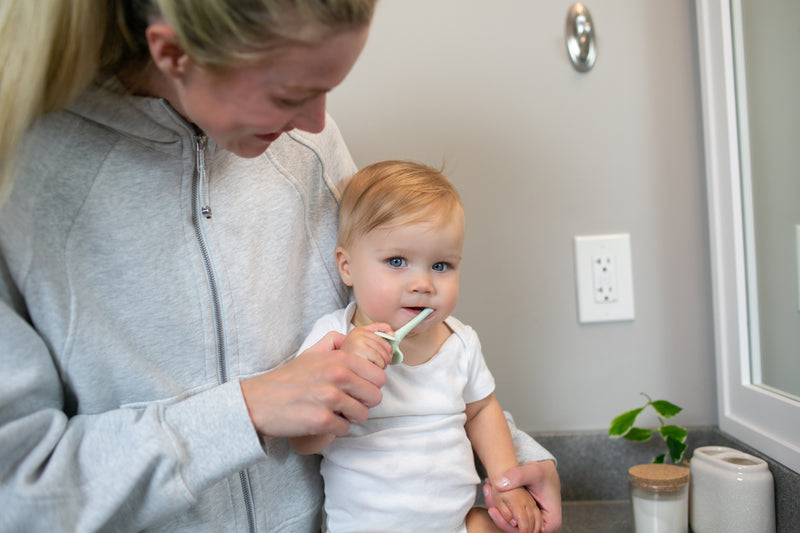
(410, 466)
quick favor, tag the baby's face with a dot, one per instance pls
(399, 270)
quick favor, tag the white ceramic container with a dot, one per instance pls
(730, 491)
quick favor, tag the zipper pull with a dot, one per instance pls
(200, 146)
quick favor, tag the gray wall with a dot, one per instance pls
(540, 154)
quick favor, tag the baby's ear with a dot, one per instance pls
(343, 261)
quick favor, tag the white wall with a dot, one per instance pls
(541, 153)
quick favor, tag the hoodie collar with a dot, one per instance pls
(150, 121)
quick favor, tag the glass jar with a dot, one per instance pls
(659, 498)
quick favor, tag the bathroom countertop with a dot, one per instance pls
(594, 478)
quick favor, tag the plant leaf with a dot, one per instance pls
(660, 459)
(621, 424)
(666, 409)
(676, 449)
(638, 434)
(676, 432)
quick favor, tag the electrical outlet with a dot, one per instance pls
(604, 279)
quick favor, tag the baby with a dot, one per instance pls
(410, 466)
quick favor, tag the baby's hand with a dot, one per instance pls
(519, 509)
(363, 342)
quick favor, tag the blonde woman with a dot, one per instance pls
(165, 245)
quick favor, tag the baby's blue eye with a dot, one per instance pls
(397, 262)
(440, 267)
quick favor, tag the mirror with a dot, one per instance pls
(765, 36)
(756, 403)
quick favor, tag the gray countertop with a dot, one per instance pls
(612, 516)
(594, 478)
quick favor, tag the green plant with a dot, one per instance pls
(674, 436)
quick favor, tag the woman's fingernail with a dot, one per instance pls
(503, 483)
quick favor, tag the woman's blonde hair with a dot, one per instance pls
(52, 49)
(394, 192)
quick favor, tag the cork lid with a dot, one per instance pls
(658, 477)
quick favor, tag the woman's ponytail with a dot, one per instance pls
(49, 52)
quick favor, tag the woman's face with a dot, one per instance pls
(245, 108)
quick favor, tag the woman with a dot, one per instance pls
(165, 247)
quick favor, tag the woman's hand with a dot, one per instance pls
(321, 391)
(540, 478)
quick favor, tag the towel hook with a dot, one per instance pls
(580, 36)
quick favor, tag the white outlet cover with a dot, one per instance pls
(589, 248)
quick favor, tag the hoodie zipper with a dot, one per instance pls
(201, 207)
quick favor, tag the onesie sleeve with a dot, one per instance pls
(480, 382)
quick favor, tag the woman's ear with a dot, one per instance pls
(343, 261)
(168, 55)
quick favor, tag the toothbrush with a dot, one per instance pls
(397, 336)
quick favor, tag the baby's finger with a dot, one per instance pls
(376, 357)
(538, 520)
(505, 512)
(526, 520)
(500, 522)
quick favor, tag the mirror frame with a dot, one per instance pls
(763, 419)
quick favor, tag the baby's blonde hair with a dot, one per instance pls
(52, 49)
(394, 192)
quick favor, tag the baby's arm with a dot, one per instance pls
(363, 342)
(488, 432)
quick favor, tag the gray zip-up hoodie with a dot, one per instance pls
(128, 318)
(143, 273)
